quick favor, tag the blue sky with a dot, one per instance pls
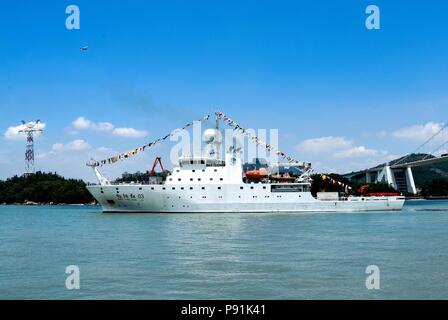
(342, 96)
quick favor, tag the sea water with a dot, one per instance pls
(223, 256)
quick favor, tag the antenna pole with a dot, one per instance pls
(217, 138)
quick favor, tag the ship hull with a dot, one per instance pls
(227, 199)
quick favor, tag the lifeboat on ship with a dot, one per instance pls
(282, 178)
(257, 174)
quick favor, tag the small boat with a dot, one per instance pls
(257, 174)
(282, 178)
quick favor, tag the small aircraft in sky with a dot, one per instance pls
(84, 48)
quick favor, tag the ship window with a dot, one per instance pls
(174, 188)
(140, 188)
(193, 170)
(177, 170)
(219, 188)
(202, 162)
(163, 188)
(199, 179)
(179, 179)
(216, 170)
(241, 188)
(203, 170)
(102, 191)
(191, 179)
(251, 187)
(203, 188)
(204, 197)
(264, 187)
(211, 179)
(171, 179)
(116, 188)
(181, 188)
(191, 161)
(152, 188)
(220, 179)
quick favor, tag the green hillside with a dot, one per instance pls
(44, 188)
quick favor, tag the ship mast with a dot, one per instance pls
(217, 139)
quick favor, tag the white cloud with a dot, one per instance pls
(339, 154)
(324, 144)
(12, 133)
(104, 149)
(76, 145)
(129, 132)
(336, 147)
(82, 123)
(418, 132)
(359, 151)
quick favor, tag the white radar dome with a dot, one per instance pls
(211, 135)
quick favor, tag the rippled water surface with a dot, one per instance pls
(217, 256)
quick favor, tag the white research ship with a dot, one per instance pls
(201, 184)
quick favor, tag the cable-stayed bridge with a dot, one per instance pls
(398, 173)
